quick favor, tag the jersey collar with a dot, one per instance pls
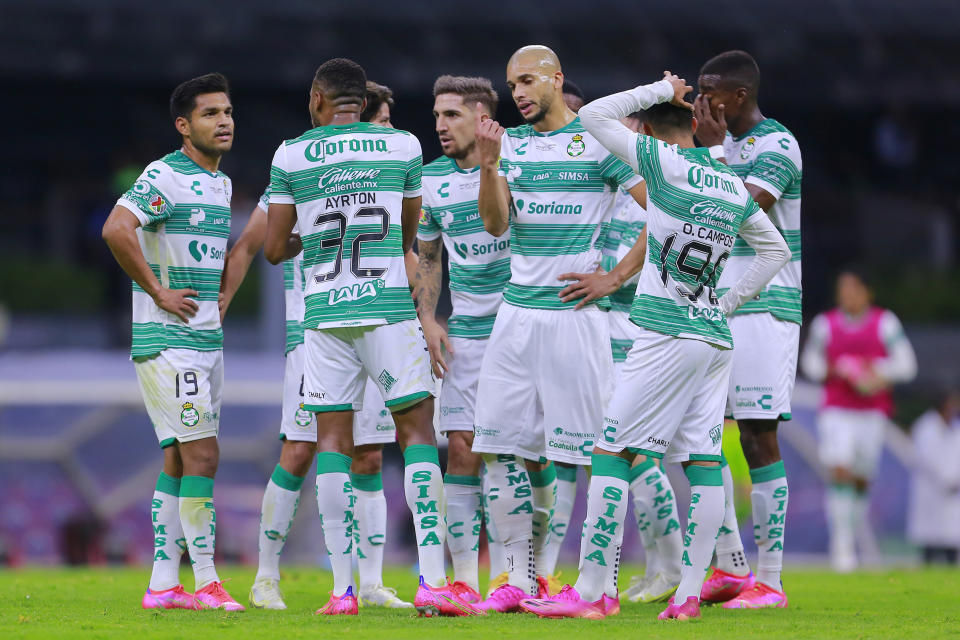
(569, 125)
(182, 156)
(752, 129)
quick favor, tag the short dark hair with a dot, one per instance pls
(667, 117)
(737, 68)
(857, 271)
(571, 87)
(377, 94)
(183, 100)
(341, 80)
(472, 89)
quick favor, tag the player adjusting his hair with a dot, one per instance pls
(479, 268)
(353, 188)
(858, 351)
(766, 156)
(680, 359)
(552, 185)
(169, 234)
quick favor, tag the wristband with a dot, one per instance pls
(716, 151)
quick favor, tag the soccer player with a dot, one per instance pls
(552, 185)
(654, 505)
(479, 269)
(858, 351)
(572, 95)
(680, 359)
(379, 104)
(354, 190)
(169, 233)
(766, 330)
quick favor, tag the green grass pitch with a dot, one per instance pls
(105, 603)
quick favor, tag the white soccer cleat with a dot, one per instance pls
(381, 596)
(637, 586)
(659, 589)
(265, 594)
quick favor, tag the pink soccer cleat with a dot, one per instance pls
(444, 601)
(686, 611)
(760, 596)
(721, 586)
(345, 605)
(611, 606)
(214, 596)
(172, 598)
(465, 592)
(505, 599)
(566, 604)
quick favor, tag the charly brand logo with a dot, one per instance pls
(716, 433)
(576, 146)
(700, 180)
(303, 417)
(444, 190)
(189, 416)
(361, 293)
(320, 150)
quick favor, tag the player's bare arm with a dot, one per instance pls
(430, 277)
(639, 193)
(590, 286)
(409, 218)
(762, 197)
(120, 234)
(280, 244)
(493, 200)
(240, 257)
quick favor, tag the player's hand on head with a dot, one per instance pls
(488, 136)
(710, 131)
(680, 90)
(178, 302)
(586, 287)
(437, 342)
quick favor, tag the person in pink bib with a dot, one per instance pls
(858, 351)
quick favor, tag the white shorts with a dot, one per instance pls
(851, 439)
(339, 360)
(554, 362)
(182, 390)
(764, 367)
(458, 395)
(296, 423)
(669, 400)
(373, 424)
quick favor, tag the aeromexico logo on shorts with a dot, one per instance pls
(746, 396)
(356, 294)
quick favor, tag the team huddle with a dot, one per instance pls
(617, 291)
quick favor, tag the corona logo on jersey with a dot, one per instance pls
(576, 146)
(320, 150)
(700, 180)
(356, 294)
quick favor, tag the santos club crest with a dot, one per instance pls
(576, 146)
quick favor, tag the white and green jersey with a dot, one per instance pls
(768, 156)
(695, 207)
(479, 262)
(292, 290)
(184, 213)
(562, 185)
(627, 224)
(348, 183)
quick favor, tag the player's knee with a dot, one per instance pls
(200, 457)
(461, 460)
(296, 456)
(367, 459)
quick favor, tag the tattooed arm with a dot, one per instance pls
(430, 279)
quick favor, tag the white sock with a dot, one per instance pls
(655, 502)
(336, 502)
(706, 516)
(840, 520)
(199, 521)
(280, 502)
(498, 558)
(423, 486)
(562, 510)
(607, 501)
(730, 556)
(168, 541)
(643, 513)
(511, 508)
(769, 498)
(370, 527)
(544, 485)
(464, 514)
